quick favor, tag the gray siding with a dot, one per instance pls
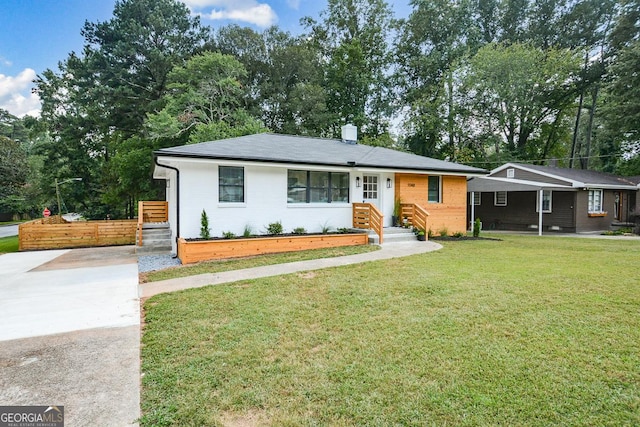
(584, 222)
(520, 212)
(530, 176)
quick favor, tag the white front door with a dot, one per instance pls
(370, 190)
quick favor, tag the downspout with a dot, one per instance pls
(155, 160)
(473, 213)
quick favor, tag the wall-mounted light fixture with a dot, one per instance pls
(357, 181)
(388, 182)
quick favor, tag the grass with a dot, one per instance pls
(8, 244)
(257, 261)
(523, 331)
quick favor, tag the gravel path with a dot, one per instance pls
(156, 262)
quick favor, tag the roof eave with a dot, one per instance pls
(479, 172)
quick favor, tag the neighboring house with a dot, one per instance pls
(572, 200)
(255, 180)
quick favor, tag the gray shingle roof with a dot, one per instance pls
(269, 147)
(587, 177)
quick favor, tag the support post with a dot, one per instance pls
(540, 210)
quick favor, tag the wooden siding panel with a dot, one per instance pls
(450, 214)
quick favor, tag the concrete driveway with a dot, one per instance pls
(70, 333)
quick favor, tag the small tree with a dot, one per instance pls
(204, 226)
(477, 225)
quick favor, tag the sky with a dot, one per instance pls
(36, 35)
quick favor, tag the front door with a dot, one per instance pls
(370, 188)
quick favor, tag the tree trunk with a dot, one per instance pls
(592, 112)
(574, 141)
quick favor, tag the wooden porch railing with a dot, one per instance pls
(151, 211)
(367, 216)
(416, 215)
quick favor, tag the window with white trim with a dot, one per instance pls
(317, 186)
(477, 198)
(500, 198)
(546, 201)
(230, 184)
(511, 173)
(434, 189)
(595, 201)
(370, 187)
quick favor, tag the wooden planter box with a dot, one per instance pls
(194, 251)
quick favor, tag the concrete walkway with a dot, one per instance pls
(387, 251)
(70, 333)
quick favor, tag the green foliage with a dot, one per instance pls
(248, 231)
(325, 228)
(299, 230)
(477, 226)
(9, 244)
(205, 232)
(443, 232)
(14, 170)
(228, 235)
(275, 228)
(205, 100)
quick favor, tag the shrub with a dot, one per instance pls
(299, 230)
(275, 228)
(326, 228)
(458, 234)
(477, 225)
(248, 231)
(444, 232)
(228, 235)
(204, 226)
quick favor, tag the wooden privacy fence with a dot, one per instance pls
(368, 217)
(48, 233)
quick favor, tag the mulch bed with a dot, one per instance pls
(454, 239)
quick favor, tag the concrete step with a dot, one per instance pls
(156, 233)
(155, 249)
(155, 225)
(393, 235)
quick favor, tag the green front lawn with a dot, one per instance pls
(218, 266)
(8, 244)
(523, 331)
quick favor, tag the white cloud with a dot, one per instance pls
(4, 61)
(16, 96)
(250, 11)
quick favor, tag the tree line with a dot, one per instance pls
(479, 82)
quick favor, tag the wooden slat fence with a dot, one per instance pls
(416, 215)
(48, 234)
(151, 211)
(367, 216)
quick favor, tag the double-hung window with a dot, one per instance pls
(595, 201)
(317, 186)
(230, 184)
(434, 193)
(500, 198)
(546, 201)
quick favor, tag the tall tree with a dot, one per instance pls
(205, 101)
(517, 89)
(101, 98)
(353, 38)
